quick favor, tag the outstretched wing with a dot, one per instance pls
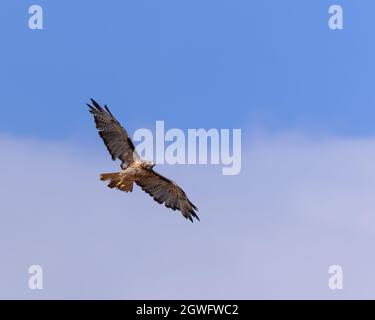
(114, 135)
(166, 191)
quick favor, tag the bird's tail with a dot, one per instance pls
(117, 180)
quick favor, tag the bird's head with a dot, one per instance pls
(148, 164)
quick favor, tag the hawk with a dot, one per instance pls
(134, 169)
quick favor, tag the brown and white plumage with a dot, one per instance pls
(135, 169)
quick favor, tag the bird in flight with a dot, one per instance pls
(134, 169)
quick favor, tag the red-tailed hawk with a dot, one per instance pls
(135, 169)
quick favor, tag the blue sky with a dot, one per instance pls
(301, 93)
(273, 65)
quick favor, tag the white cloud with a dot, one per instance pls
(298, 206)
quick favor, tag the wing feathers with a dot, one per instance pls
(163, 190)
(115, 137)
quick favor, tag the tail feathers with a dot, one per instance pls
(116, 180)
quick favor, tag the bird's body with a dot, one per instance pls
(134, 169)
(125, 179)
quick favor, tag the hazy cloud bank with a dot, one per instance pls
(297, 207)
